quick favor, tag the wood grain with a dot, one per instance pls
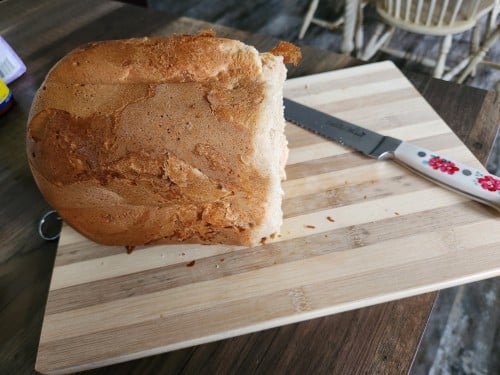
(377, 339)
(387, 235)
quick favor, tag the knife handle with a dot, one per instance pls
(472, 182)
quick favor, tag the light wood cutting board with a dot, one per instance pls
(357, 232)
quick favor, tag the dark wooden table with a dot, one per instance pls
(380, 339)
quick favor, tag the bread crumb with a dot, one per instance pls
(310, 226)
(191, 264)
(129, 249)
(272, 236)
(290, 52)
(222, 259)
(396, 213)
(263, 240)
(217, 266)
(364, 196)
(329, 218)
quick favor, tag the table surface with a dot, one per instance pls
(379, 339)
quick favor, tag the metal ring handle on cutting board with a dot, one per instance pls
(47, 219)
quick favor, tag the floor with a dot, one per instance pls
(463, 335)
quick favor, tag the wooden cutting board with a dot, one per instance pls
(356, 232)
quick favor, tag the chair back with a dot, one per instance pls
(436, 17)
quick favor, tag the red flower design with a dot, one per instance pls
(489, 183)
(449, 167)
(443, 165)
(435, 162)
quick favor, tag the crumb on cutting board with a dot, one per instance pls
(310, 226)
(329, 218)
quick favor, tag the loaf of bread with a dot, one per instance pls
(163, 140)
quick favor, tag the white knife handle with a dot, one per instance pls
(476, 184)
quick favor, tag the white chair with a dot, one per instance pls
(431, 17)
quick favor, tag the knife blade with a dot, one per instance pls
(469, 181)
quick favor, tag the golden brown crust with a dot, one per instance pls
(290, 52)
(152, 140)
(183, 58)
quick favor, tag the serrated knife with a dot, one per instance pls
(475, 184)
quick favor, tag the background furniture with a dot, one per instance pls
(379, 339)
(430, 17)
(478, 57)
(352, 22)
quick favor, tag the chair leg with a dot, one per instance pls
(350, 12)
(450, 75)
(475, 42)
(376, 41)
(479, 56)
(359, 34)
(308, 18)
(492, 18)
(443, 54)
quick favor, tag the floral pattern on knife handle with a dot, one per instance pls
(463, 179)
(487, 182)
